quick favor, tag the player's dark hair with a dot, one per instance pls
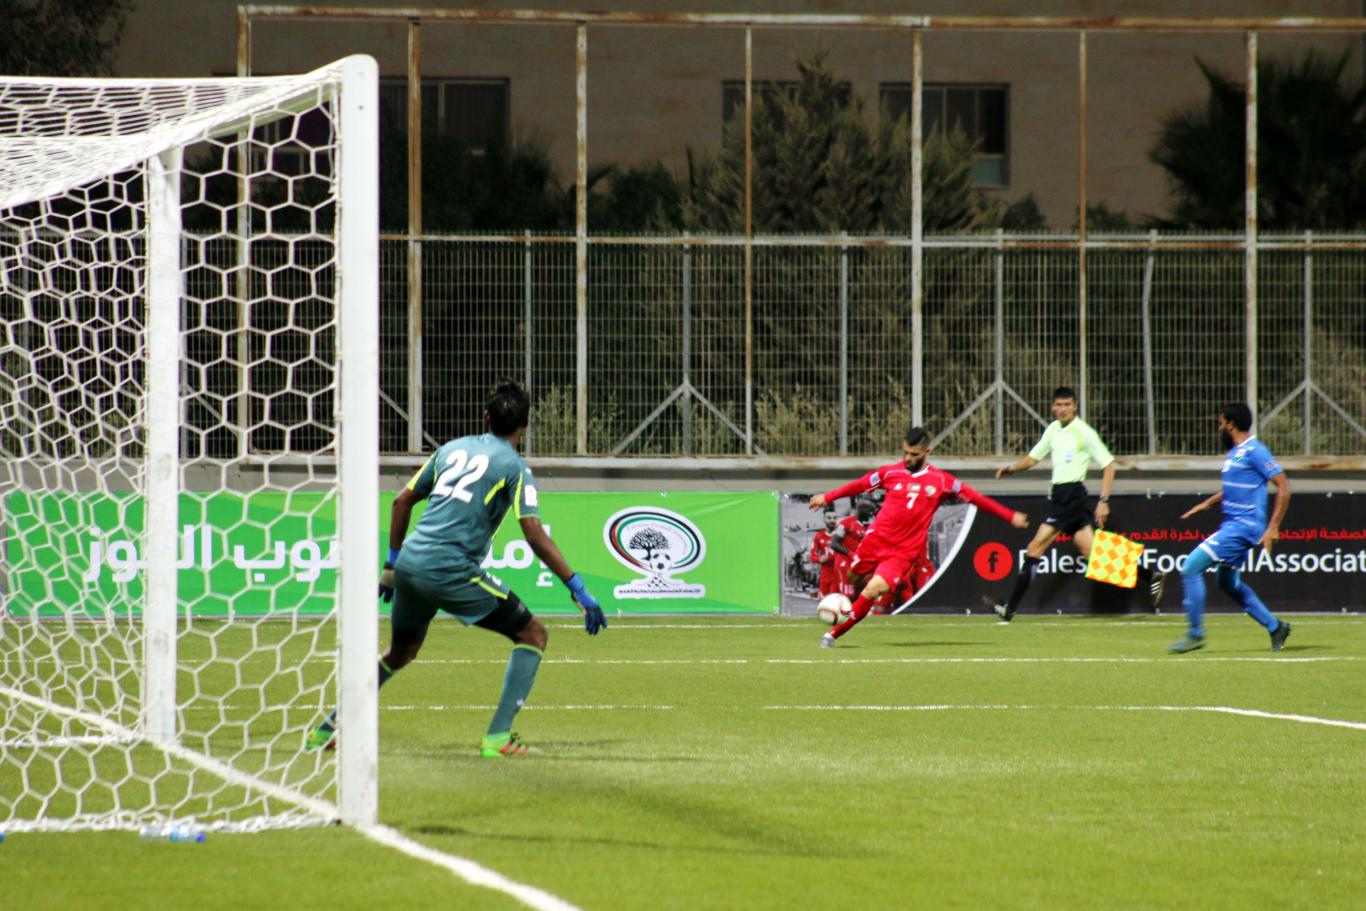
(1064, 392)
(508, 409)
(1237, 414)
(828, 509)
(916, 436)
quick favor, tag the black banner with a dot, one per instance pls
(1319, 563)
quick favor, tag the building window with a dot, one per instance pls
(733, 94)
(982, 112)
(476, 113)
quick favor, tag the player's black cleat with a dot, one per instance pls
(1155, 589)
(1279, 635)
(1002, 609)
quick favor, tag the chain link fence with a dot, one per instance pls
(833, 338)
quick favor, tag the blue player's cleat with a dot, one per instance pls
(1279, 635)
(1187, 643)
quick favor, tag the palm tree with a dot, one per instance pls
(1311, 153)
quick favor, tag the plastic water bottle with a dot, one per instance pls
(172, 833)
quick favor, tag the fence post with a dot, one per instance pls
(844, 345)
(917, 237)
(526, 319)
(1308, 336)
(1147, 300)
(999, 356)
(1250, 223)
(686, 400)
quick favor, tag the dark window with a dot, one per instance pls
(733, 94)
(474, 112)
(982, 112)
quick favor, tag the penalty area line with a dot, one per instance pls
(1217, 709)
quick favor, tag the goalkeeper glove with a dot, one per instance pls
(386, 576)
(593, 620)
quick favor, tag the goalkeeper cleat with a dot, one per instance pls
(1279, 635)
(1187, 643)
(320, 739)
(505, 746)
(828, 641)
(1155, 589)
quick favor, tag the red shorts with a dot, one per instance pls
(891, 565)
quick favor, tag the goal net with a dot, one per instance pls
(188, 449)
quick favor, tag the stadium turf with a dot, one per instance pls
(928, 762)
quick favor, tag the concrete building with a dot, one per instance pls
(656, 92)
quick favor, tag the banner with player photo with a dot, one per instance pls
(266, 554)
(1319, 563)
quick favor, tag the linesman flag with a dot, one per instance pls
(1114, 559)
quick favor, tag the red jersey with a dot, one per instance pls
(820, 548)
(854, 530)
(903, 523)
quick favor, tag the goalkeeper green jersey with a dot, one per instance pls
(470, 484)
(1073, 448)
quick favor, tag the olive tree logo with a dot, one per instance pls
(658, 544)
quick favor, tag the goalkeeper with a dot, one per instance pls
(470, 485)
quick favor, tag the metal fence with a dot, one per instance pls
(1156, 346)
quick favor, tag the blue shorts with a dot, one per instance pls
(1231, 542)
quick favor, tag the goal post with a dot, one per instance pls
(189, 435)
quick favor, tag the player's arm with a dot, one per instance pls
(996, 508)
(1204, 505)
(400, 517)
(1273, 528)
(549, 553)
(816, 556)
(1024, 464)
(852, 489)
(1107, 481)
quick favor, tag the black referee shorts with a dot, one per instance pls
(1069, 510)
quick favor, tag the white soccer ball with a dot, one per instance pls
(833, 609)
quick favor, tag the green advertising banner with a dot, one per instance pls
(267, 553)
(649, 553)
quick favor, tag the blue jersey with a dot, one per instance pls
(1246, 470)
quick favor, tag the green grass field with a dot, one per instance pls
(929, 762)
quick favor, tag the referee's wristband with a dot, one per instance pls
(1104, 500)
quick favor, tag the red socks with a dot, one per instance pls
(857, 611)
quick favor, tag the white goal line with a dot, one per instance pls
(322, 810)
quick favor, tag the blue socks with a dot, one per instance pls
(517, 681)
(1252, 605)
(1193, 589)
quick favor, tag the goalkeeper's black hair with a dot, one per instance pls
(917, 435)
(1064, 392)
(508, 409)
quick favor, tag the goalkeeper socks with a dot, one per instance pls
(1022, 581)
(330, 724)
(857, 611)
(517, 681)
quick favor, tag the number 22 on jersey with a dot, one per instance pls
(460, 473)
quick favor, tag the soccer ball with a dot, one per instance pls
(833, 609)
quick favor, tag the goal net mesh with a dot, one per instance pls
(254, 163)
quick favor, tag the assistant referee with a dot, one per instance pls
(1074, 445)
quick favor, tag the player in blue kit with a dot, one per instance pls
(470, 485)
(1247, 469)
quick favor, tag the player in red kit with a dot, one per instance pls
(824, 557)
(913, 491)
(845, 540)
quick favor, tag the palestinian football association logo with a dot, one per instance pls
(658, 544)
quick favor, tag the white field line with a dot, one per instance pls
(467, 870)
(1268, 659)
(638, 624)
(935, 707)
